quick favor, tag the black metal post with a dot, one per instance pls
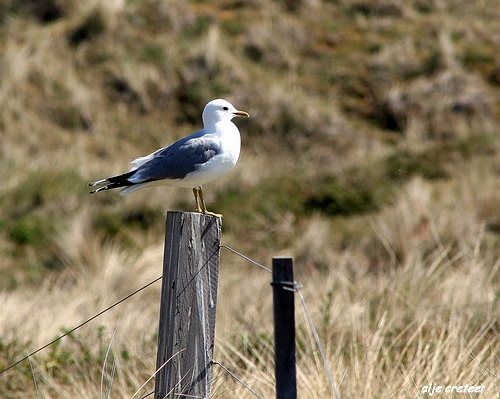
(284, 328)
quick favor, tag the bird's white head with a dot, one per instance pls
(220, 110)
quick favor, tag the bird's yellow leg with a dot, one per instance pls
(196, 198)
(204, 207)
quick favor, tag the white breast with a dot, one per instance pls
(219, 165)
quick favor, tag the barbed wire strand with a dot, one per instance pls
(80, 325)
(246, 258)
(236, 378)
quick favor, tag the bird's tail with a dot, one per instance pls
(113, 182)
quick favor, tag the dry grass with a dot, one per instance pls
(371, 157)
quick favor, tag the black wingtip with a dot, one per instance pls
(100, 189)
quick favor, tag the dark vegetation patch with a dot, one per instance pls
(43, 11)
(90, 28)
(376, 9)
(122, 91)
(336, 199)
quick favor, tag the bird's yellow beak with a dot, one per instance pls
(242, 113)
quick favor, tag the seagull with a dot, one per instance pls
(191, 161)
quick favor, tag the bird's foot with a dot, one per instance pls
(217, 215)
(200, 203)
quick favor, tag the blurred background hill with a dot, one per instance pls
(371, 156)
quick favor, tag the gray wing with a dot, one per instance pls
(177, 160)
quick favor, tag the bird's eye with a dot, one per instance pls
(225, 108)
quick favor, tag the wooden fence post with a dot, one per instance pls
(188, 305)
(284, 328)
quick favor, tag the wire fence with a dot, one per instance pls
(295, 286)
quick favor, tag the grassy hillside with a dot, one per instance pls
(371, 156)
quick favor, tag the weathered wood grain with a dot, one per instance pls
(188, 305)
